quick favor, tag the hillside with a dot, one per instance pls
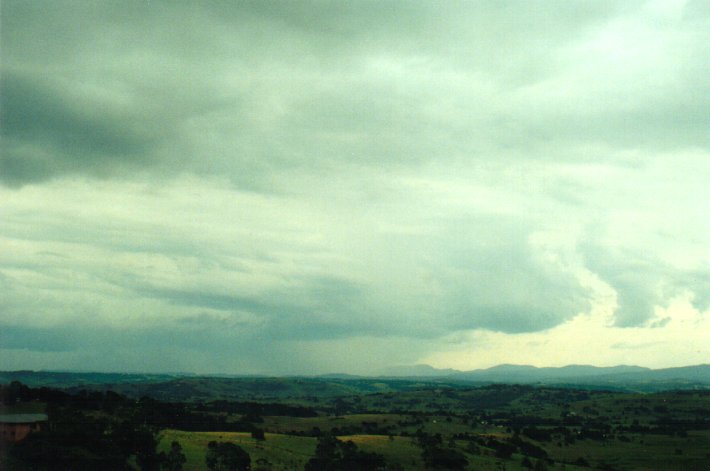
(175, 387)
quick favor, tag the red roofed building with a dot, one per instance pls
(15, 427)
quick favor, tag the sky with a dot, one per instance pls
(326, 186)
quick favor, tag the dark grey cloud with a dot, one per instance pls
(48, 131)
(222, 302)
(505, 288)
(633, 278)
(305, 178)
(38, 339)
(162, 347)
(254, 89)
(643, 282)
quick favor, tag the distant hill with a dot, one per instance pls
(408, 371)
(686, 377)
(528, 374)
(273, 388)
(63, 379)
(621, 377)
(418, 377)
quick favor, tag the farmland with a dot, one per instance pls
(599, 430)
(402, 426)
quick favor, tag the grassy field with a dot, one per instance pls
(659, 452)
(392, 435)
(282, 452)
(327, 423)
(290, 453)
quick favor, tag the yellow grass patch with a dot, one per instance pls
(367, 439)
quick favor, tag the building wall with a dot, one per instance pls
(16, 432)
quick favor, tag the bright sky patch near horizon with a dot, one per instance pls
(314, 187)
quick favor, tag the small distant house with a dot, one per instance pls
(15, 427)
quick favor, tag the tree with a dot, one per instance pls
(540, 465)
(334, 455)
(226, 456)
(443, 458)
(15, 392)
(144, 444)
(175, 458)
(437, 457)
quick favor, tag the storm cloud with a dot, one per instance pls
(294, 187)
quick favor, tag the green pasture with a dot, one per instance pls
(624, 451)
(280, 424)
(283, 452)
(648, 451)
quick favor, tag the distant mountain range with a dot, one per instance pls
(621, 377)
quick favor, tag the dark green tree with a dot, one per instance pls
(540, 465)
(444, 459)
(145, 443)
(175, 458)
(334, 455)
(437, 457)
(226, 456)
